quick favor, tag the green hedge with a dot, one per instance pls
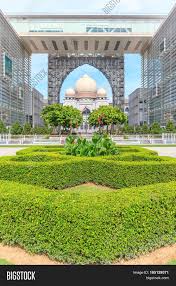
(75, 171)
(60, 149)
(130, 157)
(56, 156)
(40, 157)
(88, 226)
(37, 149)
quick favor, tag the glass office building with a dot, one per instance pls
(15, 75)
(159, 73)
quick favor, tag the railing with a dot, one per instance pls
(8, 139)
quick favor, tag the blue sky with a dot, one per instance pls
(39, 62)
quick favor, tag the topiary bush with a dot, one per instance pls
(100, 145)
(92, 226)
(78, 170)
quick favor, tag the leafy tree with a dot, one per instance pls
(71, 118)
(145, 129)
(52, 114)
(138, 129)
(107, 116)
(57, 115)
(127, 129)
(39, 130)
(27, 129)
(170, 127)
(3, 128)
(156, 128)
(16, 128)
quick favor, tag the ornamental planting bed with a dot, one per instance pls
(45, 209)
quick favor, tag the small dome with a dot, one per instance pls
(86, 84)
(101, 92)
(70, 92)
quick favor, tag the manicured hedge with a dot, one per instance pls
(37, 149)
(130, 157)
(88, 226)
(56, 156)
(75, 171)
(40, 157)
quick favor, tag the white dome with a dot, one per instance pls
(70, 92)
(101, 92)
(86, 84)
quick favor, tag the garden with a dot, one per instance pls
(89, 202)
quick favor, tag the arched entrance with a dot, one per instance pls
(76, 74)
(60, 67)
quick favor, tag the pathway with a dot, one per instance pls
(18, 256)
(164, 151)
(9, 151)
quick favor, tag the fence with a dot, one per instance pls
(163, 139)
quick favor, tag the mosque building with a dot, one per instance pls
(86, 97)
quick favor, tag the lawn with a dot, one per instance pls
(173, 262)
(87, 210)
(4, 262)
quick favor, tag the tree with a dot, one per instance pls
(71, 118)
(155, 128)
(127, 129)
(39, 130)
(138, 129)
(3, 128)
(27, 129)
(16, 128)
(170, 127)
(57, 115)
(107, 116)
(52, 115)
(145, 129)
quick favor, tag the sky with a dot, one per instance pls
(39, 62)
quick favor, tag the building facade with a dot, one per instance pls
(98, 40)
(86, 97)
(60, 67)
(137, 108)
(159, 73)
(126, 106)
(15, 73)
(37, 107)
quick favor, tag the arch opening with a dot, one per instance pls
(70, 80)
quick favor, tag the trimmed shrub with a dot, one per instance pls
(38, 149)
(75, 171)
(40, 157)
(130, 157)
(87, 227)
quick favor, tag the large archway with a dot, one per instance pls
(76, 74)
(60, 67)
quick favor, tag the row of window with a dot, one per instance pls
(88, 30)
(108, 30)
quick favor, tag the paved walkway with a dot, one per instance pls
(164, 151)
(9, 151)
(19, 256)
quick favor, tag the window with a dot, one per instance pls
(94, 29)
(163, 46)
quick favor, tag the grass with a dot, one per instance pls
(172, 262)
(4, 262)
(88, 224)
